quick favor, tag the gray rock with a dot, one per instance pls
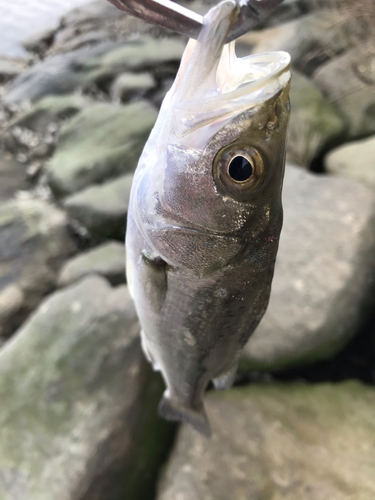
(138, 54)
(34, 241)
(40, 42)
(324, 276)
(78, 413)
(102, 209)
(286, 11)
(311, 40)
(51, 109)
(12, 177)
(108, 260)
(10, 68)
(129, 85)
(289, 442)
(100, 64)
(57, 75)
(355, 160)
(98, 143)
(314, 122)
(349, 82)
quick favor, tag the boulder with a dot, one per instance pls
(311, 40)
(314, 122)
(324, 276)
(102, 209)
(129, 85)
(78, 401)
(107, 260)
(102, 141)
(292, 442)
(34, 241)
(355, 160)
(349, 82)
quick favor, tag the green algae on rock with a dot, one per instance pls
(101, 142)
(77, 400)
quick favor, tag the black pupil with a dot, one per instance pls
(240, 169)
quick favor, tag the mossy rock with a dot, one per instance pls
(101, 142)
(78, 401)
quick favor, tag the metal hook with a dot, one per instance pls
(174, 17)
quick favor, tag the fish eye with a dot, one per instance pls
(238, 171)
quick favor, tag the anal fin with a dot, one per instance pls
(171, 410)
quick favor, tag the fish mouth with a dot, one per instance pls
(213, 85)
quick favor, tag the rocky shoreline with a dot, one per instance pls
(78, 417)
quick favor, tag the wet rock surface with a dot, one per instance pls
(100, 142)
(78, 401)
(107, 260)
(279, 441)
(324, 276)
(34, 241)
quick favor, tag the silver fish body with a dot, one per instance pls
(205, 215)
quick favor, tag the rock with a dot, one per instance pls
(75, 42)
(52, 109)
(287, 11)
(314, 122)
(311, 40)
(97, 65)
(34, 241)
(279, 441)
(324, 276)
(100, 142)
(108, 260)
(144, 53)
(129, 85)
(78, 413)
(354, 160)
(11, 67)
(349, 82)
(12, 177)
(40, 42)
(102, 209)
(56, 75)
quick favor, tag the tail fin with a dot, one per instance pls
(170, 409)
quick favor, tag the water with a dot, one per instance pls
(20, 19)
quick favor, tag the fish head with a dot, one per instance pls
(210, 176)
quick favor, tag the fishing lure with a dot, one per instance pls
(205, 213)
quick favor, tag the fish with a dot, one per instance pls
(205, 215)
